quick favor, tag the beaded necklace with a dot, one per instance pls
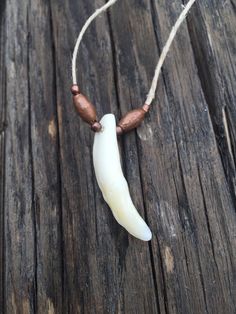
(106, 157)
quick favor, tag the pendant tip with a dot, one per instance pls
(147, 235)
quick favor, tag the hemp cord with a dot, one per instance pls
(152, 91)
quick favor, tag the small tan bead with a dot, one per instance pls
(96, 127)
(146, 107)
(75, 89)
(85, 109)
(119, 130)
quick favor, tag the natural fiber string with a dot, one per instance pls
(165, 50)
(81, 34)
(163, 55)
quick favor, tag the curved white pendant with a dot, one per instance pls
(110, 178)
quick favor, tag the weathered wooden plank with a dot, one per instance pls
(34, 265)
(189, 205)
(216, 69)
(2, 149)
(105, 271)
(20, 257)
(45, 159)
(63, 252)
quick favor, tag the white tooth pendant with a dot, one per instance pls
(110, 178)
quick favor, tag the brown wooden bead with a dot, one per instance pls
(85, 109)
(131, 120)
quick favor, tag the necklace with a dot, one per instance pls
(106, 158)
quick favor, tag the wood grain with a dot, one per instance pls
(61, 251)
